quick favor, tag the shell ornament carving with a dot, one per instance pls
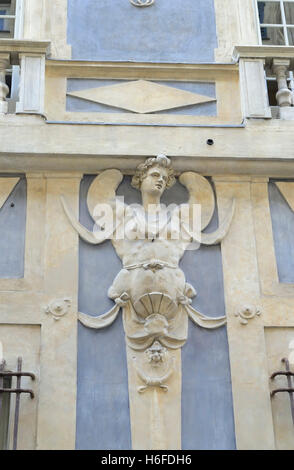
(142, 3)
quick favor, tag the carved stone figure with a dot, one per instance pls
(151, 288)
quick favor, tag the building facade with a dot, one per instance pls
(89, 91)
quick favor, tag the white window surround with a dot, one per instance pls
(6, 19)
(30, 55)
(253, 60)
(283, 25)
(13, 17)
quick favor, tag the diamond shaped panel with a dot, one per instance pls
(141, 96)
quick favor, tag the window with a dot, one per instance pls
(7, 18)
(11, 26)
(276, 20)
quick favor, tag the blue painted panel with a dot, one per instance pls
(283, 229)
(168, 31)
(102, 395)
(12, 232)
(207, 404)
(80, 105)
(102, 403)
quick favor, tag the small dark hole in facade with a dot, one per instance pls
(210, 141)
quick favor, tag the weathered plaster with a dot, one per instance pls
(166, 31)
(24, 340)
(44, 19)
(12, 227)
(236, 24)
(182, 76)
(254, 429)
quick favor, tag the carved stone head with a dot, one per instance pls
(156, 354)
(155, 174)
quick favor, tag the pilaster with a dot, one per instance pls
(252, 406)
(57, 400)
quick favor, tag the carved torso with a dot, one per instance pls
(150, 258)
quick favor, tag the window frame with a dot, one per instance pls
(8, 18)
(14, 72)
(284, 25)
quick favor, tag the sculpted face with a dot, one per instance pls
(155, 181)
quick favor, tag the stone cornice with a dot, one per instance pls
(83, 68)
(267, 53)
(259, 149)
(15, 47)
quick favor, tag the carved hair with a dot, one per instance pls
(142, 169)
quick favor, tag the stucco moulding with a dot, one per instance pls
(268, 53)
(141, 96)
(138, 70)
(58, 308)
(247, 313)
(155, 369)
